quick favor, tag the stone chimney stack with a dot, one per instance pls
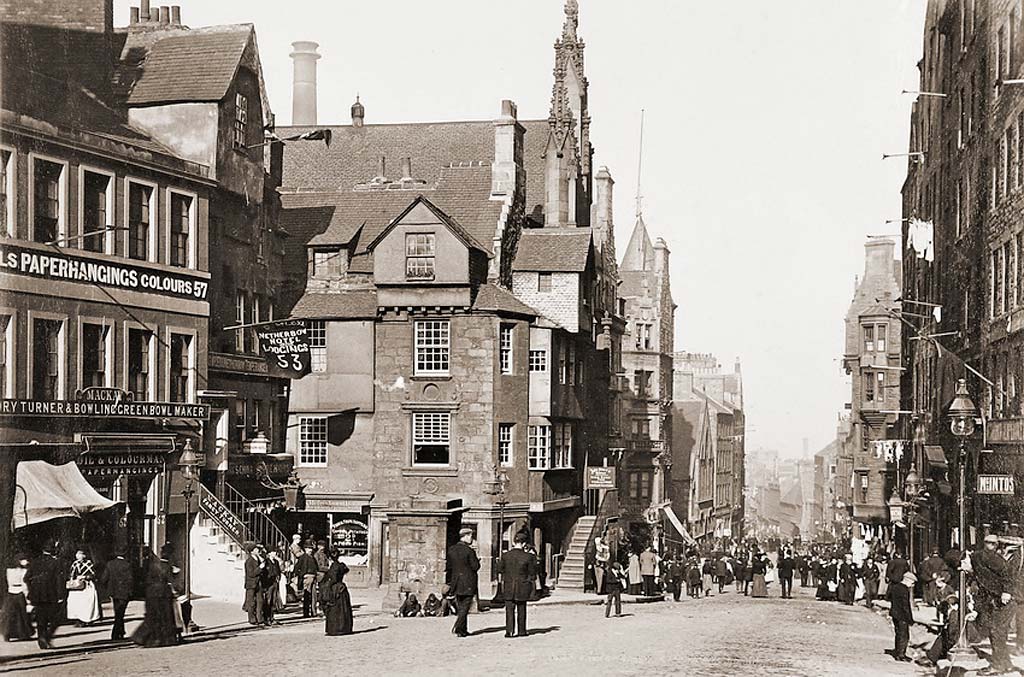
(304, 57)
(878, 260)
(507, 170)
(661, 256)
(144, 15)
(358, 113)
(601, 220)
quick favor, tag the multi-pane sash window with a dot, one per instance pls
(543, 282)
(94, 355)
(881, 333)
(562, 457)
(241, 120)
(563, 364)
(47, 201)
(433, 347)
(240, 334)
(419, 256)
(869, 386)
(572, 364)
(95, 193)
(46, 348)
(139, 346)
(869, 339)
(431, 438)
(539, 447)
(318, 345)
(313, 440)
(241, 420)
(327, 264)
(181, 227)
(254, 318)
(5, 366)
(139, 220)
(505, 348)
(538, 360)
(181, 371)
(505, 444)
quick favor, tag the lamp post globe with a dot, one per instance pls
(962, 412)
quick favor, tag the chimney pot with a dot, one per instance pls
(134, 13)
(144, 15)
(165, 14)
(508, 109)
(175, 15)
(304, 57)
(407, 169)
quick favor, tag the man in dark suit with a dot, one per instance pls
(894, 571)
(902, 614)
(786, 566)
(305, 571)
(117, 581)
(461, 567)
(518, 570)
(46, 591)
(254, 566)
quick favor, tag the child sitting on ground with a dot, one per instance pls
(432, 607)
(410, 607)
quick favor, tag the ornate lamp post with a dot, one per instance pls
(189, 464)
(911, 487)
(496, 488)
(962, 414)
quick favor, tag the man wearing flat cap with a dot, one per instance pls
(461, 567)
(995, 594)
(902, 613)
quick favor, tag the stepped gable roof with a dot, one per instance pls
(354, 156)
(491, 297)
(182, 65)
(356, 304)
(462, 193)
(553, 250)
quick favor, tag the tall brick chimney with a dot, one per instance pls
(601, 219)
(304, 58)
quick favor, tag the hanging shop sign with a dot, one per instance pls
(71, 268)
(996, 485)
(285, 345)
(351, 536)
(600, 477)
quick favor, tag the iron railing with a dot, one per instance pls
(241, 519)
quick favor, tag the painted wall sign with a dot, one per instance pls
(71, 268)
(600, 477)
(104, 409)
(998, 485)
(285, 345)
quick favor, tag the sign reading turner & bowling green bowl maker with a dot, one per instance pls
(104, 403)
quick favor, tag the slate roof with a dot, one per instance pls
(189, 65)
(461, 233)
(354, 156)
(463, 193)
(353, 305)
(491, 297)
(553, 250)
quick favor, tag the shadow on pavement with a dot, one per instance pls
(543, 631)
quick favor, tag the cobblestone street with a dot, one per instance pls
(721, 635)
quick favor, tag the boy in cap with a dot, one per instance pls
(902, 613)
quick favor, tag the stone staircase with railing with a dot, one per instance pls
(218, 562)
(572, 574)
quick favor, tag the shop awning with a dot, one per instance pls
(674, 519)
(45, 492)
(936, 456)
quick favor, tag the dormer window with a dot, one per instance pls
(328, 264)
(419, 256)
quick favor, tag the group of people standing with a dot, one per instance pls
(317, 575)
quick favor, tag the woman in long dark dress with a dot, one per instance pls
(759, 567)
(158, 627)
(14, 620)
(335, 600)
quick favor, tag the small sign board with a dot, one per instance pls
(600, 477)
(286, 348)
(996, 485)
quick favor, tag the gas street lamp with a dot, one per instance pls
(189, 464)
(962, 413)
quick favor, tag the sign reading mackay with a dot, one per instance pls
(71, 268)
(104, 402)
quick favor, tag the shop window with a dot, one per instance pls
(48, 205)
(181, 229)
(140, 221)
(538, 360)
(539, 447)
(97, 214)
(431, 438)
(47, 349)
(317, 345)
(181, 368)
(313, 441)
(95, 353)
(419, 256)
(505, 348)
(506, 437)
(433, 347)
(140, 347)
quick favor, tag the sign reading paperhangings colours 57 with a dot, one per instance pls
(71, 268)
(999, 485)
(285, 345)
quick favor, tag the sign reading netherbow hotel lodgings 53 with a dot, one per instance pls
(71, 268)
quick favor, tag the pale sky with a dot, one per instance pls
(765, 125)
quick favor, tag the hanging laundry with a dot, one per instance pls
(921, 236)
(937, 312)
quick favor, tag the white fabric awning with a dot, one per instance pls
(674, 519)
(45, 492)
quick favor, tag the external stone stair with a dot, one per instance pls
(573, 572)
(218, 563)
